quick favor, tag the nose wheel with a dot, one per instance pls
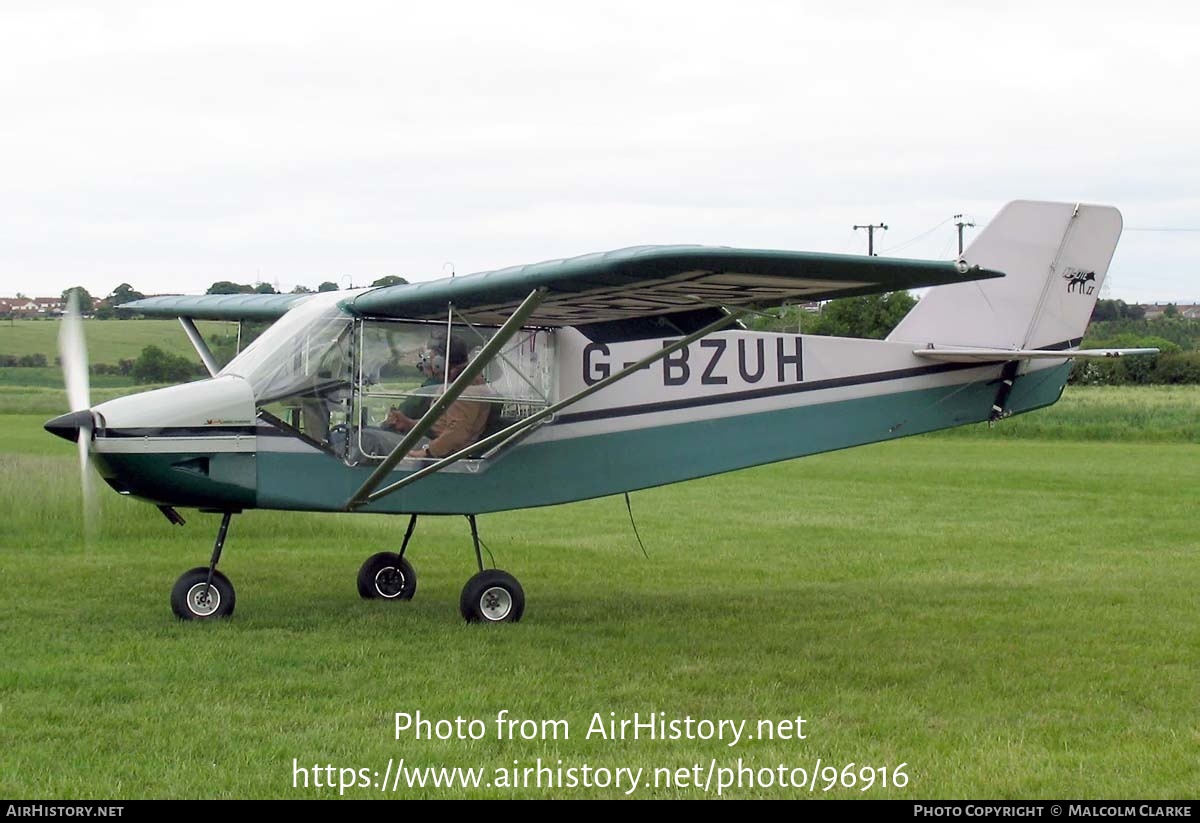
(195, 598)
(203, 593)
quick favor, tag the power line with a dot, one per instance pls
(920, 236)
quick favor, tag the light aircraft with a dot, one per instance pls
(587, 376)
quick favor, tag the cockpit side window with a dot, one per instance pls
(405, 367)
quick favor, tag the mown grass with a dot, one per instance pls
(108, 341)
(1011, 619)
(51, 377)
(39, 400)
(1105, 413)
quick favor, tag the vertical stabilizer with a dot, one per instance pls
(1054, 256)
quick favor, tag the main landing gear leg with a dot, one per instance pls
(389, 576)
(492, 595)
(203, 593)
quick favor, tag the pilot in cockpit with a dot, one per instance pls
(463, 422)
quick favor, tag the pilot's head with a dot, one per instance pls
(432, 360)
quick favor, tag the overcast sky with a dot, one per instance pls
(170, 145)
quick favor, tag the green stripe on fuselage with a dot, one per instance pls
(539, 474)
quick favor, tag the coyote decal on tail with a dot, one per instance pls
(1080, 279)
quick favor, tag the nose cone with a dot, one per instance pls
(67, 426)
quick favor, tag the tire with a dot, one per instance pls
(492, 596)
(386, 576)
(189, 601)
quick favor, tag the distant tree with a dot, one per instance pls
(124, 293)
(871, 316)
(1171, 310)
(327, 286)
(229, 287)
(390, 280)
(302, 290)
(157, 366)
(86, 302)
(1105, 310)
(265, 288)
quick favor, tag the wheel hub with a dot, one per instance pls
(203, 599)
(389, 582)
(495, 603)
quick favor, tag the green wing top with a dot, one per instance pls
(644, 281)
(216, 306)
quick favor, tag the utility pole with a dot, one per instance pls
(960, 225)
(870, 227)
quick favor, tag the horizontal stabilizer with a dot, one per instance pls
(953, 355)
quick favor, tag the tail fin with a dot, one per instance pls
(1054, 256)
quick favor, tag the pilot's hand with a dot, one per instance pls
(397, 421)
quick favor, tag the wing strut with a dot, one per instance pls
(200, 346)
(444, 400)
(486, 443)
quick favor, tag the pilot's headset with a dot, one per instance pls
(431, 362)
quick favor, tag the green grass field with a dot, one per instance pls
(108, 341)
(1010, 615)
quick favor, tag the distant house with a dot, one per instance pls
(49, 305)
(20, 306)
(1187, 311)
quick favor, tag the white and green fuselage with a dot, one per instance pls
(733, 400)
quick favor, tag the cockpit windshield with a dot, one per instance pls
(307, 351)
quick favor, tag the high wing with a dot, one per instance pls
(652, 281)
(216, 306)
(609, 289)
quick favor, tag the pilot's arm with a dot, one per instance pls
(460, 426)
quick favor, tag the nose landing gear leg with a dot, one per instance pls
(203, 593)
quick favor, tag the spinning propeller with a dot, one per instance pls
(78, 425)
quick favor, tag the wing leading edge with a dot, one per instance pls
(607, 287)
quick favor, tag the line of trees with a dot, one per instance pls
(1177, 339)
(153, 365)
(106, 307)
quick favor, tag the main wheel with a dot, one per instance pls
(387, 576)
(193, 599)
(492, 596)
